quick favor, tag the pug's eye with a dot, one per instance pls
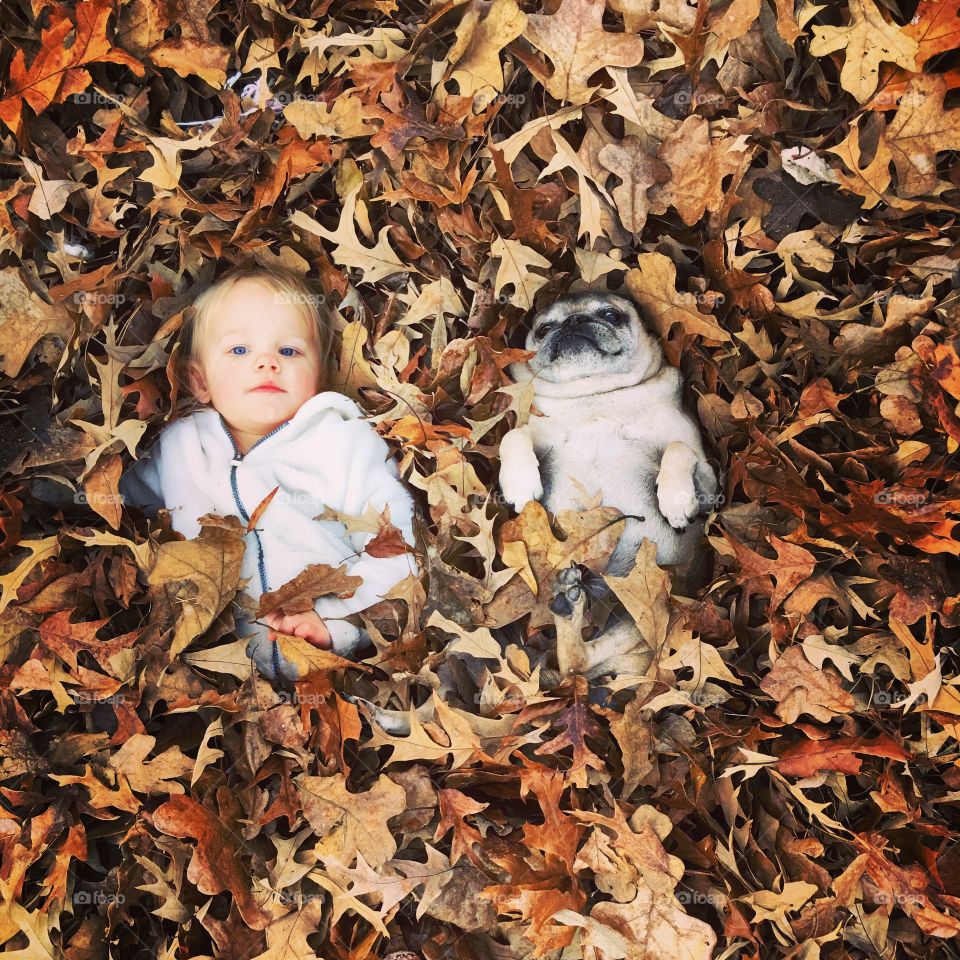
(541, 331)
(613, 316)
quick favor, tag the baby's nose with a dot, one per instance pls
(268, 360)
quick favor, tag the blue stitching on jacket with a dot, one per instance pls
(238, 456)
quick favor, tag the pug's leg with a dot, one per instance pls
(676, 491)
(705, 481)
(519, 468)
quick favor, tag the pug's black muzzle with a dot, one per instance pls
(578, 332)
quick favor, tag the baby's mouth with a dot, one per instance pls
(268, 388)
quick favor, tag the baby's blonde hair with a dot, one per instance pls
(279, 280)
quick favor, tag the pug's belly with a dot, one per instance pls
(625, 473)
(600, 460)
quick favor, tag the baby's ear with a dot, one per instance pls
(197, 381)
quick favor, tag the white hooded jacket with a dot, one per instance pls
(326, 455)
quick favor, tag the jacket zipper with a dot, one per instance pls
(238, 457)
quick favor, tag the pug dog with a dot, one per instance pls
(612, 422)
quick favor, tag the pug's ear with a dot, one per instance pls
(197, 382)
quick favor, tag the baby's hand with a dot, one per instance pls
(309, 626)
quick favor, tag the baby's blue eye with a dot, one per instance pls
(239, 347)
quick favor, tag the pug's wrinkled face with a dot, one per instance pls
(589, 334)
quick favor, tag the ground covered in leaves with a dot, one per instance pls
(776, 184)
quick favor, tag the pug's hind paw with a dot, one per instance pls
(677, 500)
(567, 590)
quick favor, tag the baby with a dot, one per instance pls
(258, 358)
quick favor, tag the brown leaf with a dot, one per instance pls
(298, 595)
(798, 687)
(216, 863)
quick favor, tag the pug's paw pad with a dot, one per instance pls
(678, 501)
(567, 590)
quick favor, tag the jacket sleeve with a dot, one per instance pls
(370, 480)
(140, 485)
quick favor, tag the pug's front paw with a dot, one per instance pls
(520, 483)
(677, 499)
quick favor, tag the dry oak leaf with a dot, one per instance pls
(637, 856)
(871, 181)
(428, 742)
(350, 823)
(800, 687)
(697, 165)
(102, 797)
(66, 639)
(57, 70)
(212, 563)
(773, 906)
(374, 263)
(677, 14)
(516, 269)
(483, 31)
(653, 926)
(653, 285)
(298, 595)
(216, 862)
(792, 565)
(836, 753)
(936, 28)
(638, 172)
(153, 777)
(919, 131)
(188, 56)
(287, 935)
(732, 22)
(578, 46)
(868, 41)
(26, 319)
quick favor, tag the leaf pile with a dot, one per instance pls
(776, 183)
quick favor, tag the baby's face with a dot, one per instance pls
(260, 362)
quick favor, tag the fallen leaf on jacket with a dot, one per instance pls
(211, 562)
(298, 595)
(309, 659)
(260, 507)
